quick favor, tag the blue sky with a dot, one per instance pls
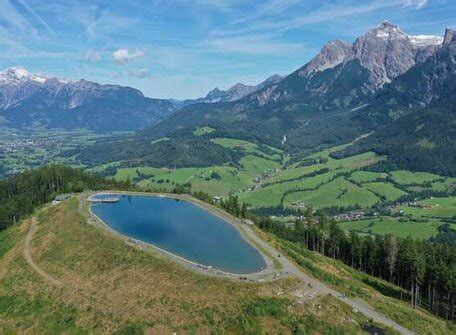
(184, 48)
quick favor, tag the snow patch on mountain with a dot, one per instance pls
(18, 75)
(426, 40)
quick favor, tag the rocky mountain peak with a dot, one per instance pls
(374, 59)
(450, 36)
(215, 93)
(274, 78)
(388, 52)
(386, 28)
(237, 86)
(17, 75)
(332, 54)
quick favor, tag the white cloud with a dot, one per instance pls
(418, 4)
(37, 16)
(142, 73)
(123, 56)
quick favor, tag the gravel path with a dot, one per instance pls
(290, 268)
(322, 289)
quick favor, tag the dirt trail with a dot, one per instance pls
(288, 267)
(317, 286)
(28, 257)
(322, 289)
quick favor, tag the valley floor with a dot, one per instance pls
(365, 198)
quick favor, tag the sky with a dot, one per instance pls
(184, 48)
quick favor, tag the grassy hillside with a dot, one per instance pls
(264, 176)
(111, 287)
(357, 284)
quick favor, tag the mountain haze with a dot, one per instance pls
(28, 100)
(234, 93)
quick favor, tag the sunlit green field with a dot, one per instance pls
(414, 178)
(433, 208)
(385, 190)
(47, 147)
(262, 179)
(399, 227)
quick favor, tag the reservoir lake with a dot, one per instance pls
(181, 228)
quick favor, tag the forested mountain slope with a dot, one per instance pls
(414, 137)
(23, 193)
(336, 98)
(421, 141)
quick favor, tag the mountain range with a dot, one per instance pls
(234, 93)
(353, 71)
(311, 104)
(382, 83)
(30, 100)
(384, 79)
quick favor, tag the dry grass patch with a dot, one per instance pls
(111, 287)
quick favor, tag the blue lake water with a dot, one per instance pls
(183, 229)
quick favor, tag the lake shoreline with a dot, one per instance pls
(266, 274)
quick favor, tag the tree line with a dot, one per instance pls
(424, 269)
(23, 193)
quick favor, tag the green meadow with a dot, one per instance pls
(262, 178)
(398, 226)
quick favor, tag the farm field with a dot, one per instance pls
(414, 178)
(261, 179)
(21, 150)
(200, 131)
(421, 220)
(339, 192)
(397, 226)
(432, 208)
(385, 190)
(361, 177)
(340, 183)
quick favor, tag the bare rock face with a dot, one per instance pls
(352, 70)
(450, 36)
(333, 53)
(385, 51)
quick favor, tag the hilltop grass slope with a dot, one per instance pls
(111, 287)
